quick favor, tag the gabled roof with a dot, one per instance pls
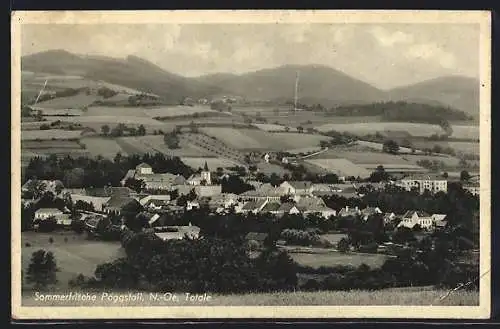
(271, 206)
(252, 205)
(48, 211)
(118, 201)
(419, 213)
(306, 203)
(142, 165)
(286, 207)
(301, 185)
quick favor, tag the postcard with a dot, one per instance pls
(251, 164)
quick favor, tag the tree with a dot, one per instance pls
(171, 140)
(445, 175)
(42, 269)
(343, 245)
(300, 129)
(464, 176)
(135, 184)
(390, 146)
(105, 130)
(141, 130)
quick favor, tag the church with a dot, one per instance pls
(202, 183)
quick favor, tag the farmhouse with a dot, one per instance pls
(414, 217)
(44, 213)
(389, 217)
(116, 203)
(432, 183)
(370, 211)
(289, 208)
(314, 205)
(95, 201)
(177, 232)
(151, 199)
(439, 220)
(472, 188)
(264, 192)
(297, 187)
(348, 211)
(151, 180)
(272, 208)
(254, 206)
(223, 200)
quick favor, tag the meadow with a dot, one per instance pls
(74, 253)
(212, 162)
(341, 167)
(50, 134)
(106, 147)
(77, 101)
(334, 258)
(173, 111)
(261, 140)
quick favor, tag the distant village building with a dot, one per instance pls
(264, 192)
(472, 188)
(297, 187)
(414, 217)
(152, 180)
(45, 213)
(177, 232)
(432, 183)
(203, 178)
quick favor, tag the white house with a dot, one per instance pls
(44, 213)
(297, 187)
(432, 183)
(414, 217)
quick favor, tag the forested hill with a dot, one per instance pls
(403, 111)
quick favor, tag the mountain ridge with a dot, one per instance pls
(318, 82)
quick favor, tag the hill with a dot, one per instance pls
(318, 83)
(461, 93)
(132, 72)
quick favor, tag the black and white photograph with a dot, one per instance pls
(250, 164)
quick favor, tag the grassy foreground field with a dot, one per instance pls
(416, 296)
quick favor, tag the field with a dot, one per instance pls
(260, 140)
(341, 167)
(270, 168)
(213, 163)
(463, 147)
(78, 101)
(105, 147)
(273, 127)
(415, 296)
(50, 134)
(336, 258)
(73, 257)
(113, 120)
(173, 111)
(414, 129)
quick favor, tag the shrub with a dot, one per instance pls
(51, 240)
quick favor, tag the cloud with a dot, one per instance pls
(389, 39)
(432, 52)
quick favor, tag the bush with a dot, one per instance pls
(51, 240)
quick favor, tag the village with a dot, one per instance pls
(157, 198)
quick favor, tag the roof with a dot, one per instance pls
(48, 211)
(300, 185)
(425, 177)
(271, 206)
(306, 203)
(286, 207)
(438, 217)
(370, 210)
(118, 201)
(256, 236)
(205, 167)
(252, 205)
(419, 213)
(142, 165)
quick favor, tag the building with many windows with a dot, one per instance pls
(432, 183)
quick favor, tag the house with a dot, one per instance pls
(439, 220)
(349, 211)
(64, 220)
(207, 190)
(272, 207)
(177, 232)
(414, 217)
(116, 203)
(96, 201)
(297, 187)
(91, 222)
(472, 187)
(289, 208)
(44, 213)
(264, 192)
(370, 211)
(153, 181)
(432, 183)
(389, 217)
(153, 219)
(223, 200)
(254, 206)
(203, 178)
(190, 205)
(155, 204)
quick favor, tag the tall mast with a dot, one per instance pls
(41, 91)
(296, 91)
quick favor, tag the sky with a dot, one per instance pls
(384, 55)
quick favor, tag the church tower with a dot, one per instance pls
(205, 174)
